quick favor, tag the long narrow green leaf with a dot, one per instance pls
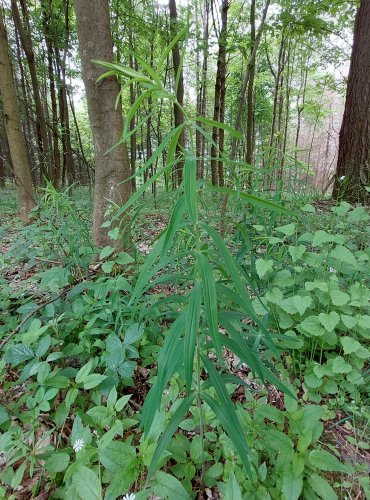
(143, 276)
(172, 151)
(164, 440)
(190, 187)
(151, 72)
(174, 224)
(123, 70)
(254, 200)
(233, 269)
(191, 330)
(181, 34)
(224, 126)
(235, 433)
(210, 301)
(169, 361)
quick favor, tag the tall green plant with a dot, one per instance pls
(217, 303)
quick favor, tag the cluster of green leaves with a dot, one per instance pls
(317, 294)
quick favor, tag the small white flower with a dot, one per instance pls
(342, 178)
(78, 445)
(129, 496)
(332, 270)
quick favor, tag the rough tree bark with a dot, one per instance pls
(14, 129)
(113, 167)
(354, 138)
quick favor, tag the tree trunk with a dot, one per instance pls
(111, 168)
(219, 103)
(14, 129)
(354, 138)
(178, 75)
(47, 12)
(26, 41)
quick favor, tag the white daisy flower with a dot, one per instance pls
(78, 445)
(129, 496)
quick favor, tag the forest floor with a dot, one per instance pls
(28, 276)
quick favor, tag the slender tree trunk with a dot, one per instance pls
(113, 168)
(202, 88)
(246, 76)
(26, 41)
(219, 102)
(132, 121)
(354, 139)
(250, 91)
(14, 129)
(2, 169)
(47, 13)
(178, 75)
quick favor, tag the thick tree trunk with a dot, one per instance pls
(26, 41)
(14, 129)
(178, 115)
(113, 167)
(354, 139)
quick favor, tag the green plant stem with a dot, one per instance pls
(199, 402)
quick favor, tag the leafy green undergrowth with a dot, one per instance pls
(81, 350)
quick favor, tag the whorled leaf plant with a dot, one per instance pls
(195, 343)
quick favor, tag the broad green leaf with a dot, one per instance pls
(167, 486)
(17, 354)
(344, 255)
(321, 487)
(312, 325)
(123, 259)
(321, 237)
(84, 371)
(93, 380)
(288, 229)
(57, 462)
(191, 331)
(339, 298)
(292, 484)
(350, 345)
(106, 252)
(117, 455)
(302, 303)
(133, 334)
(296, 252)
(263, 267)
(323, 460)
(329, 321)
(341, 366)
(87, 483)
(107, 266)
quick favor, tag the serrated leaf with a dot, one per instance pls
(302, 303)
(344, 255)
(341, 366)
(263, 267)
(93, 380)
